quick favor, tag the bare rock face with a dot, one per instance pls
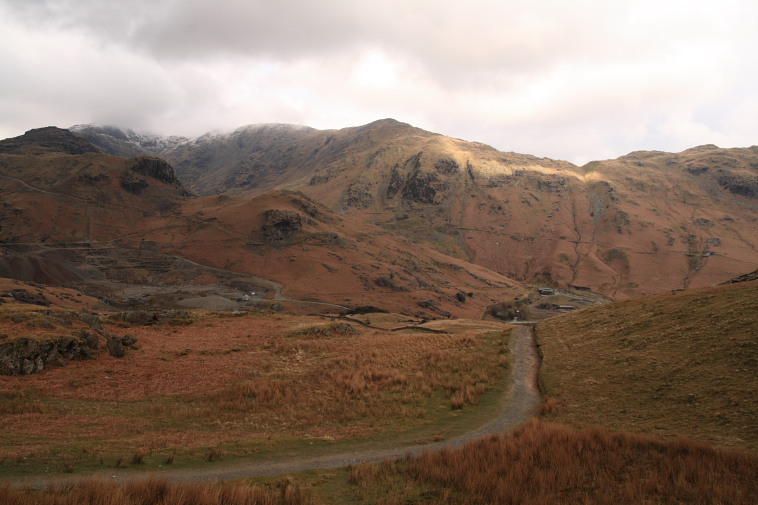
(155, 168)
(395, 183)
(418, 185)
(281, 225)
(423, 187)
(133, 183)
(743, 185)
(447, 166)
(357, 195)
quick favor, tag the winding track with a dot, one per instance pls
(517, 406)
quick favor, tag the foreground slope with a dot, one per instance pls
(672, 365)
(592, 467)
(548, 464)
(643, 223)
(275, 388)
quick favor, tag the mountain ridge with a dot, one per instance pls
(642, 223)
(125, 230)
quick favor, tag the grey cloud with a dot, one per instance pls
(576, 80)
(455, 41)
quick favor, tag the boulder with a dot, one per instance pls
(129, 341)
(91, 340)
(116, 346)
(92, 320)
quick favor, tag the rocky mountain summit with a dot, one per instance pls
(126, 143)
(49, 139)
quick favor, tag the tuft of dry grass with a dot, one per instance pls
(669, 365)
(155, 492)
(544, 464)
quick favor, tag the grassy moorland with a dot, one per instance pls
(262, 386)
(673, 365)
(539, 464)
(157, 492)
(547, 464)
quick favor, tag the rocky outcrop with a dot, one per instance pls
(24, 296)
(148, 317)
(752, 276)
(155, 168)
(117, 345)
(24, 356)
(358, 196)
(388, 282)
(739, 184)
(447, 166)
(133, 183)
(419, 185)
(432, 306)
(422, 187)
(601, 196)
(395, 183)
(281, 225)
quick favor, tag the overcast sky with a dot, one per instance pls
(576, 80)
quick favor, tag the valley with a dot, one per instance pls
(364, 315)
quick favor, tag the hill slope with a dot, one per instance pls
(126, 229)
(670, 365)
(643, 223)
